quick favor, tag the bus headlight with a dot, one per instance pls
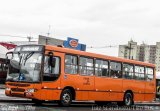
(32, 90)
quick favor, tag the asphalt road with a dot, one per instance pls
(28, 106)
(20, 104)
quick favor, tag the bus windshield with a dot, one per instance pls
(25, 66)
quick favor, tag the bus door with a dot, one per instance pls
(51, 77)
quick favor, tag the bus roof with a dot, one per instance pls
(89, 54)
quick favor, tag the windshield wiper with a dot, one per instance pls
(27, 57)
(20, 57)
(10, 80)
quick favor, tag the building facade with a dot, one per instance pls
(142, 52)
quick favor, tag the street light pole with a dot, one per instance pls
(130, 50)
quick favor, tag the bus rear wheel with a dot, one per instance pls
(128, 99)
(65, 98)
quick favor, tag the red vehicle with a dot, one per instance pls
(3, 70)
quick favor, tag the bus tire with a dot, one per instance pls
(128, 99)
(65, 98)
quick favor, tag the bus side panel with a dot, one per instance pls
(128, 84)
(150, 90)
(108, 89)
(137, 87)
(139, 90)
(116, 91)
(49, 94)
(50, 90)
(81, 84)
(101, 91)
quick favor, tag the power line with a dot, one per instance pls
(99, 47)
(13, 36)
(28, 37)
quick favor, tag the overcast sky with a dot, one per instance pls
(93, 22)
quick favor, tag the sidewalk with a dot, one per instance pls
(2, 86)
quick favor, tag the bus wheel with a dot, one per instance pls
(66, 98)
(128, 99)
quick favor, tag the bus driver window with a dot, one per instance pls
(51, 73)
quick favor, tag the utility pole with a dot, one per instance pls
(49, 30)
(29, 38)
(47, 40)
(130, 48)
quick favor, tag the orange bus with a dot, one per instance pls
(47, 73)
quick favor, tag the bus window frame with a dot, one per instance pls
(133, 70)
(88, 57)
(42, 69)
(150, 74)
(108, 61)
(138, 72)
(121, 69)
(77, 63)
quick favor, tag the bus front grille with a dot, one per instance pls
(19, 85)
(17, 89)
(17, 95)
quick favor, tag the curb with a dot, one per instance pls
(2, 86)
(17, 101)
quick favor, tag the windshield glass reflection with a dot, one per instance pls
(25, 67)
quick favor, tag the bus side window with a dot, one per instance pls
(71, 64)
(51, 73)
(139, 73)
(86, 66)
(116, 70)
(127, 71)
(101, 68)
(149, 74)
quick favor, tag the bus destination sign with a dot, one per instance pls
(28, 48)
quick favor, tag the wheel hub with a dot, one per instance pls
(128, 100)
(66, 98)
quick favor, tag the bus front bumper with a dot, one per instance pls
(29, 93)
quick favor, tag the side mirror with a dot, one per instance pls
(51, 60)
(7, 56)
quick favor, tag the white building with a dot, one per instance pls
(142, 52)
